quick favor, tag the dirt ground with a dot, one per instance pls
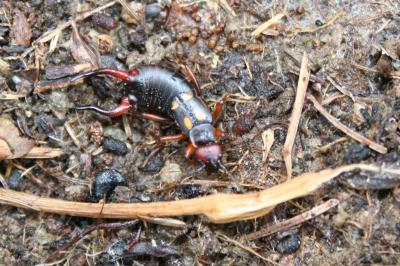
(354, 55)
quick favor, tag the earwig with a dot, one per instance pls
(158, 94)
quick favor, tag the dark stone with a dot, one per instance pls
(153, 166)
(190, 191)
(15, 180)
(289, 244)
(105, 182)
(115, 146)
(319, 23)
(356, 153)
(152, 10)
(104, 21)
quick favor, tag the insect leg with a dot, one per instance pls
(155, 118)
(219, 106)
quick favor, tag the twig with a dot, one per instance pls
(120, 225)
(296, 113)
(394, 74)
(3, 182)
(248, 249)
(227, 8)
(218, 208)
(327, 24)
(72, 134)
(325, 148)
(289, 223)
(248, 69)
(43, 153)
(272, 21)
(170, 222)
(340, 88)
(9, 96)
(351, 133)
(127, 126)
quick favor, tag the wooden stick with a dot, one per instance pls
(304, 77)
(289, 223)
(272, 21)
(218, 208)
(351, 133)
(248, 249)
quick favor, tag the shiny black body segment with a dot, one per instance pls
(168, 94)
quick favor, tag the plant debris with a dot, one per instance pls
(247, 55)
(22, 33)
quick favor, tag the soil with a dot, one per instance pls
(258, 77)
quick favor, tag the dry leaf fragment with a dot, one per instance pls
(11, 144)
(82, 51)
(21, 31)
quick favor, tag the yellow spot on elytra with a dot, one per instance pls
(186, 96)
(175, 105)
(200, 115)
(188, 123)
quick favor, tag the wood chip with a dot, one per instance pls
(351, 133)
(272, 21)
(21, 31)
(296, 113)
(43, 153)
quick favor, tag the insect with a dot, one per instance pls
(158, 94)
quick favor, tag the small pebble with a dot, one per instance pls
(319, 23)
(60, 100)
(19, 83)
(105, 182)
(115, 146)
(115, 132)
(76, 192)
(170, 172)
(190, 191)
(15, 180)
(289, 244)
(104, 21)
(153, 166)
(152, 10)
(136, 137)
(356, 153)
